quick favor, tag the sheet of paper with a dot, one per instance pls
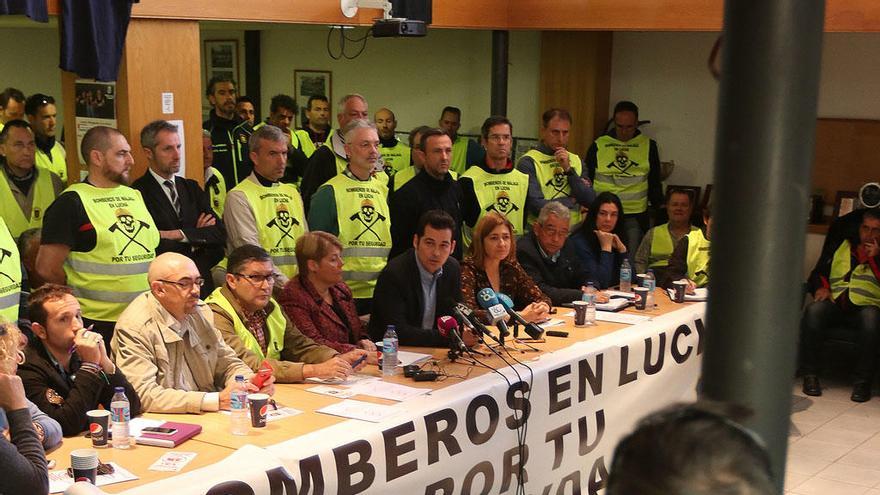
(552, 322)
(613, 304)
(384, 390)
(628, 318)
(351, 380)
(617, 293)
(364, 411)
(172, 461)
(281, 413)
(59, 480)
(405, 358)
(342, 393)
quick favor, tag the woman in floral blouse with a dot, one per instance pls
(492, 263)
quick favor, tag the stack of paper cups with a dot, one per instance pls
(85, 465)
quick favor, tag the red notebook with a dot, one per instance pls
(185, 431)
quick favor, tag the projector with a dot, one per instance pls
(399, 28)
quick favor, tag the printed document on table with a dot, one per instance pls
(355, 409)
(60, 481)
(385, 390)
(627, 318)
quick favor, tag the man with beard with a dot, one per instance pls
(229, 134)
(98, 237)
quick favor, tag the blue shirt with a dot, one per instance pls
(429, 293)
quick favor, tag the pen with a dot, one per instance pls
(358, 361)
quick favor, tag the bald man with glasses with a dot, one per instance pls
(166, 343)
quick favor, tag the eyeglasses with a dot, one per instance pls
(257, 280)
(186, 284)
(500, 138)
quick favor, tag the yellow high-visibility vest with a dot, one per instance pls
(459, 155)
(864, 289)
(622, 168)
(504, 193)
(107, 278)
(698, 258)
(10, 275)
(364, 230)
(662, 246)
(44, 195)
(280, 218)
(554, 181)
(217, 192)
(396, 158)
(275, 323)
(55, 161)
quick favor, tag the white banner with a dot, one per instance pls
(468, 438)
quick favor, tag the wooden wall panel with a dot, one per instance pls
(844, 155)
(161, 56)
(603, 15)
(576, 75)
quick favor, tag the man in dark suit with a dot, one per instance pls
(180, 208)
(420, 285)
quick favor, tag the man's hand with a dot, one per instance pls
(334, 368)
(469, 338)
(89, 346)
(268, 386)
(872, 248)
(822, 293)
(205, 220)
(606, 240)
(353, 355)
(601, 297)
(561, 155)
(12, 396)
(172, 235)
(691, 286)
(106, 363)
(367, 345)
(226, 394)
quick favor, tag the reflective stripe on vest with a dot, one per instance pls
(504, 193)
(554, 181)
(396, 158)
(459, 164)
(44, 195)
(55, 161)
(280, 218)
(10, 275)
(622, 168)
(112, 274)
(217, 193)
(661, 246)
(364, 230)
(276, 325)
(698, 258)
(864, 289)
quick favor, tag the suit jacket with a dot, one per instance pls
(67, 401)
(561, 279)
(206, 244)
(398, 300)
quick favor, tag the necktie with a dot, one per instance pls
(175, 201)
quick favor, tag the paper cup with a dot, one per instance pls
(639, 280)
(99, 422)
(680, 287)
(641, 297)
(580, 313)
(259, 407)
(85, 465)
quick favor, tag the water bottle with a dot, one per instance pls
(650, 284)
(120, 415)
(626, 274)
(589, 294)
(389, 352)
(240, 423)
(591, 311)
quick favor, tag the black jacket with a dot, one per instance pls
(206, 244)
(560, 280)
(65, 400)
(320, 169)
(229, 141)
(398, 301)
(423, 193)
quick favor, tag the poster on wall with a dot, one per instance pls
(95, 105)
(307, 83)
(221, 59)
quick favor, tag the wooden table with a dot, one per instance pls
(215, 442)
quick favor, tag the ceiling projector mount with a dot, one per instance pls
(386, 26)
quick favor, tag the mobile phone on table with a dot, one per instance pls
(159, 430)
(262, 374)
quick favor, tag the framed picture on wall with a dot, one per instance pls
(844, 202)
(307, 83)
(221, 59)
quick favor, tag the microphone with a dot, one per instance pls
(467, 317)
(532, 329)
(448, 328)
(489, 301)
